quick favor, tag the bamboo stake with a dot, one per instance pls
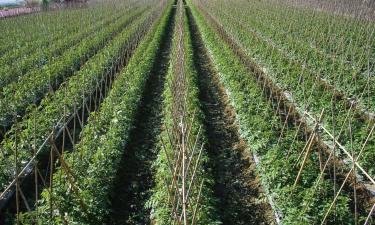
(307, 151)
(51, 179)
(24, 200)
(197, 204)
(369, 215)
(17, 180)
(337, 195)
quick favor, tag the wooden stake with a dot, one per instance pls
(308, 150)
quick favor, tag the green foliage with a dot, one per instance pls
(23, 35)
(301, 61)
(33, 87)
(103, 140)
(39, 121)
(261, 129)
(159, 202)
(20, 62)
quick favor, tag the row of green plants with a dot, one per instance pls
(349, 70)
(27, 64)
(350, 76)
(25, 33)
(326, 31)
(174, 96)
(16, 28)
(308, 93)
(35, 86)
(27, 48)
(96, 157)
(331, 34)
(20, 31)
(309, 200)
(32, 131)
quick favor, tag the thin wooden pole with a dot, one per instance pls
(35, 170)
(369, 215)
(51, 178)
(308, 150)
(17, 178)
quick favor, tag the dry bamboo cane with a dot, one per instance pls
(197, 204)
(51, 179)
(35, 171)
(335, 198)
(346, 178)
(24, 199)
(311, 140)
(369, 215)
(17, 180)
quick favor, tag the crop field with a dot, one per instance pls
(188, 112)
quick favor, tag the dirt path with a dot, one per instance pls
(241, 200)
(135, 175)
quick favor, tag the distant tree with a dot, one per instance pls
(45, 4)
